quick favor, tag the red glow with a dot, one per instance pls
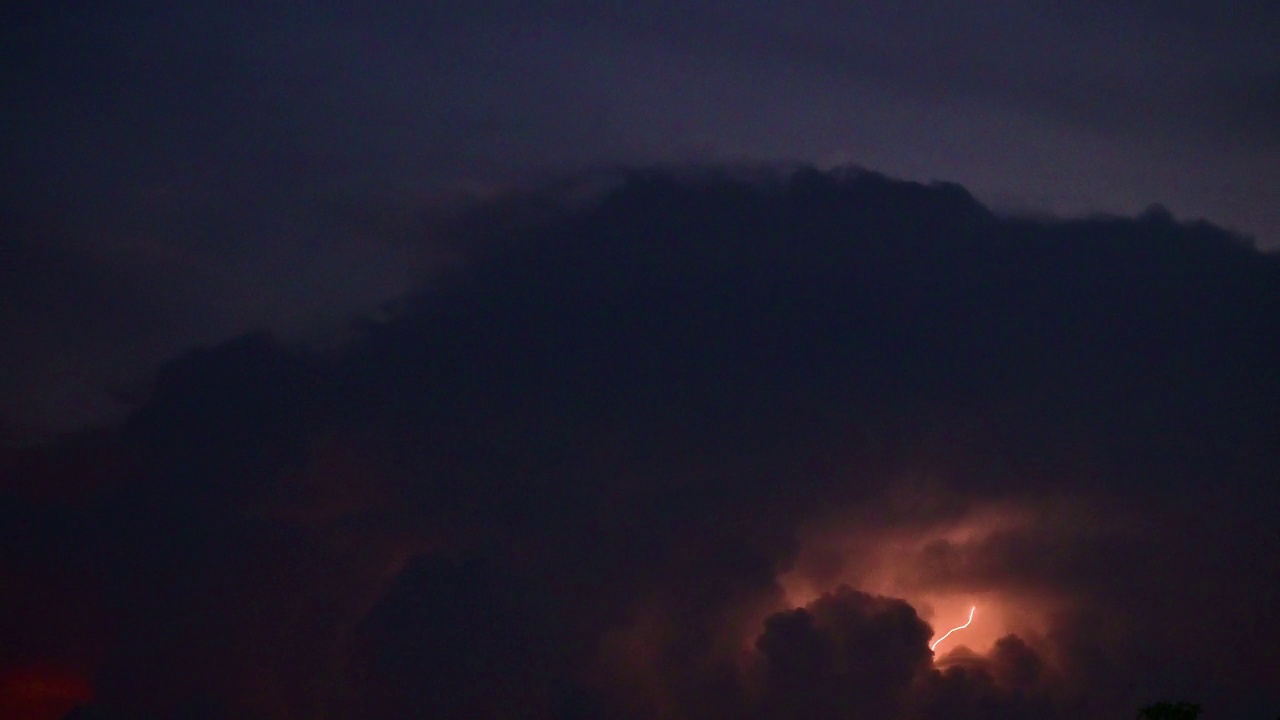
(42, 693)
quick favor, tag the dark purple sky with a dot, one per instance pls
(679, 360)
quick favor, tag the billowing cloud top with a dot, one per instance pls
(692, 445)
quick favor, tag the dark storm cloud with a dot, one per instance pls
(160, 193)
(476, 648)
(846, 655)
(849, 654)
(571, 475)
(215, 170)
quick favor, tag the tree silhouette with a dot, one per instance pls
(1169, 711)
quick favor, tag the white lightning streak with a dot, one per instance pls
(958, 627)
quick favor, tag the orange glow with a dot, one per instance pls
(42, 693)
(942, 563)
(966, 624)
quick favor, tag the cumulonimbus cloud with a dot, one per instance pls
(699, 445)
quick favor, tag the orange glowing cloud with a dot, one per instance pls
(939, 561)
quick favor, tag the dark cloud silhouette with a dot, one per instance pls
(452, 640)
(699, 443)
(847, 654)
(852, 655)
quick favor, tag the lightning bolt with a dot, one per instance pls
(934, 644)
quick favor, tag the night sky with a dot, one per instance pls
(557, 360)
